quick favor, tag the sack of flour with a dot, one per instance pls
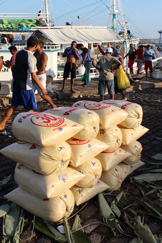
(109, 115)
(43, 129)
(135, 150)
(135, 112)
(52, 210)
(91, 170)
(110, 159)
(129, 135)
(46, 186)
(44, 160)
(115, 176)
(112, 137)
(82, 195)
(84, 150)
(88, 119)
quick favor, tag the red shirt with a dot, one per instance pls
(140, 53)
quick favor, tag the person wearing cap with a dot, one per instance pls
(119, 57)
(106, 65)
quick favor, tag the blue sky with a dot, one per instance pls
(144, 17)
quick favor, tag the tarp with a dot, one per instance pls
(80, 35)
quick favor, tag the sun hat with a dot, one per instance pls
(109, 50)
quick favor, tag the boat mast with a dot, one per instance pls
(46, 12)
(114, 26)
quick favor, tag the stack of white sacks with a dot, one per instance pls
(68, 155)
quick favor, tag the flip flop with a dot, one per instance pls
(4, 132)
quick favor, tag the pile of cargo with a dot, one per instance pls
(67, 155)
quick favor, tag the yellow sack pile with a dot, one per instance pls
(115, 176)
(43, 129)
(44, 160)
(46, 186)
(88, 119)
(109, 115)
(110, 159)
(84, 150)
(92, 171)
(130, 135)
(82, 195)
(135, 112)
(122, 79)
(112, 137)
(135, 150)
(53, 209)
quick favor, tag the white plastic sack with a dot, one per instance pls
(109, 114)
(92, 172)
(81, 70)
(129, 135)
(112, 137)
(88, 119)
(84, 150)
(110, 159)
(53, 209)
(43, 129)
(115, 176)
(46, 186)
(44, 160)
(135, 150)
(135, 112)
(82, 195)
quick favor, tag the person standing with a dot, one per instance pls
(106, 69)
(132, 56)
(119, 57)
(148, 55)
(86, 60)
(72, 55)
(9, 64)
(24, 73)
(140, 57)
(42, 59)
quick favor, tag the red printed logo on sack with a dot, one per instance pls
(78, 142)
(33, 146)
(95, 106)
(44, 120)
(125, 105)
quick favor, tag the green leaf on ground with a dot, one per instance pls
(119, 203)
(141, 229)
(108, 216)
(5, 181)
(68, 232)
(79, 236)
(148, 177)
(4, 210)
(11, 221)
(41, 226)
(157, 156)
(19, 229)
(154, 209)
(77, 224)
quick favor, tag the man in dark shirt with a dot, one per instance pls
(72, 55)
(24, 72)
(132, 57)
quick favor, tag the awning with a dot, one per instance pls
(80, 35)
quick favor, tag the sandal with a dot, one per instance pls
(4, 132)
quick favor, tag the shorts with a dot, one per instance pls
(139, 63)
(42, 79)
(148, 64)
(25, 98)
(70, 68)
(130, 63)
(102, 86)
